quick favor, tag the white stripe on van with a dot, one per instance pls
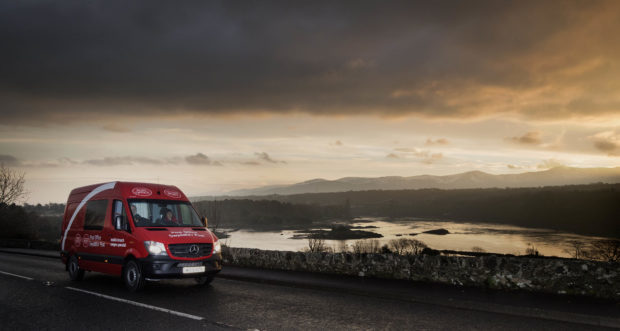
(107, 186)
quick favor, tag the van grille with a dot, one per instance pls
(185, 250)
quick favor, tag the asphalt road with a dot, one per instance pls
(36, 293)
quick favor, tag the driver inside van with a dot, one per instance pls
(137, 218)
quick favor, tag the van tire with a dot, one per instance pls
(75, 272)
(204, 280)
(133, 276)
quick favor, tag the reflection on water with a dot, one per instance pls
(495, 238)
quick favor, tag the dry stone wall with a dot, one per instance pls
(564, 276)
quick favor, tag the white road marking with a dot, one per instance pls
(14, 275)
(174, 312)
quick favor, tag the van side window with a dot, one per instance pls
(95, 214)
(68, 214)
(119, 210)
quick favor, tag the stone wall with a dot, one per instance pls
(564, 276)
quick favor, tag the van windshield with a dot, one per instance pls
(163, 213)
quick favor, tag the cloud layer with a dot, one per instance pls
(608, 142)
(530, 138)
(90, 60)
(201, 159)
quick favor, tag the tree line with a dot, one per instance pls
(17, 222)
(268, 214)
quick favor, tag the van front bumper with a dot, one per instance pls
(160, 267)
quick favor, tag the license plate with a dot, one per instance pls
(191, 270)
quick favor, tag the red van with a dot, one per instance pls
(138, 231)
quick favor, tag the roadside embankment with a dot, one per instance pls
(551, 275)
(563, 276)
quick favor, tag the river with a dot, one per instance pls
(492, 238)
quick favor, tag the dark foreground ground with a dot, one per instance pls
(35, 293)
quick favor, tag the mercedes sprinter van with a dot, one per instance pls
(137, 231)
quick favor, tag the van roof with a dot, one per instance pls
(138, 190)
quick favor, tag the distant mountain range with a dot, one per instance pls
(472, 179)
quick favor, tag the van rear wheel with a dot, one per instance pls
(75, 272)
(132, 276)
(204, 280)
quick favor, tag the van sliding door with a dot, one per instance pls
(118, 240)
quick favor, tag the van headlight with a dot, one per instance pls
(217, 247)
(155, 248)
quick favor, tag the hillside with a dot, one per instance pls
(473, 179)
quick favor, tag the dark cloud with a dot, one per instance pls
(392, 156)
(605, 145)
(201, 159)
(265, 157)
(530, 138)
(608, 142)
(251, 163)
(90, 60)
(9, 160)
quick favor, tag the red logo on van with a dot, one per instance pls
(172, 193)
(141, 191)
(86, 240)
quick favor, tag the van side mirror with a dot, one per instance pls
(204, 221)
(118, 222)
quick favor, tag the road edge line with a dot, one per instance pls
(138, 304)
(15, 275)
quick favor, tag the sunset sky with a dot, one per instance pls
(219, 96)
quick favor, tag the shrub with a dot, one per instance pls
(405, 246)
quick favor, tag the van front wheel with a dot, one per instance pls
(132, 276)
(75, 272)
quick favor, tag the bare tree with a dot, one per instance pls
(316, 245)
(415, 246)
(577, 249)
(366, 246)
(605, 250)
(532, 250)
(12, 188)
